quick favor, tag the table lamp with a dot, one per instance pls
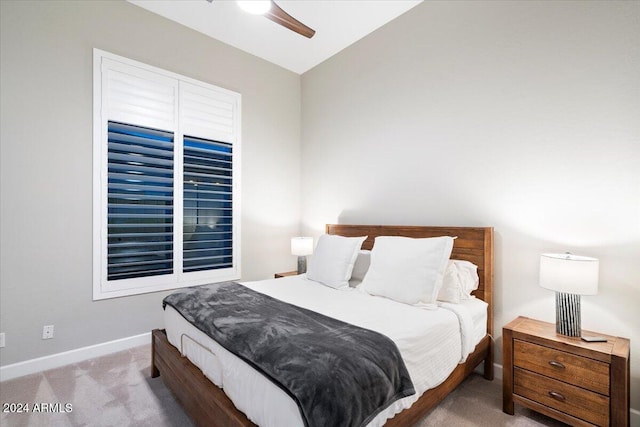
(570, 276)
(302, 246)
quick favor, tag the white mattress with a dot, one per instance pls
(431, 342)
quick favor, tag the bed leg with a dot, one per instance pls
(488, 362)
(154, 370)
(488, 369)
(155, 373)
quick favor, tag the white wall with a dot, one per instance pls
(524, 116)
(46, 160)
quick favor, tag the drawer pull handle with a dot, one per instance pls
(556, 364)
(557, 396)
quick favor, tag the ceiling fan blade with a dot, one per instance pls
(279, 16)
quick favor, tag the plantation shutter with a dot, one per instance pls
(208, 113)
(139, 97)
(166, 179)
(208, 205)
(141, 112)
(207, 118)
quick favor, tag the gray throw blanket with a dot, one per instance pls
(338, 374)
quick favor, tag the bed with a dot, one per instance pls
(207, 404)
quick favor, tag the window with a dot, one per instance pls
(166, 180)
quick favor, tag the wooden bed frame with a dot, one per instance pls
(209, 406)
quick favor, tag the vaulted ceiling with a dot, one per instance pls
(338, 24)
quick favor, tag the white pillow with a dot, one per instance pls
(333, 259)
(460, 279)
(408, 270)
(360, 267)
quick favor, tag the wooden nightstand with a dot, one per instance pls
(576, 382)
(285, 274)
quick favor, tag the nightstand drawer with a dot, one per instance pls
(577, 370)
(587, 405)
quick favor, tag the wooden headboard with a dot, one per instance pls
(474, 244)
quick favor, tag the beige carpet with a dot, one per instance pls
(116, 390)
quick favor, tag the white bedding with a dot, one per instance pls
(472, 314)
(431, 342)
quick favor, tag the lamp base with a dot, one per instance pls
(568, 314)
(302, 264)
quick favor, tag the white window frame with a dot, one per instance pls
(103, 288)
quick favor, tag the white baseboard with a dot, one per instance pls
(634, 414)
(497, 371)
(40, 364)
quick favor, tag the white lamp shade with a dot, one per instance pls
(301, 246)
(571, 274)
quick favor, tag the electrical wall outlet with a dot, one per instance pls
(47, 332)
(2, 339)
